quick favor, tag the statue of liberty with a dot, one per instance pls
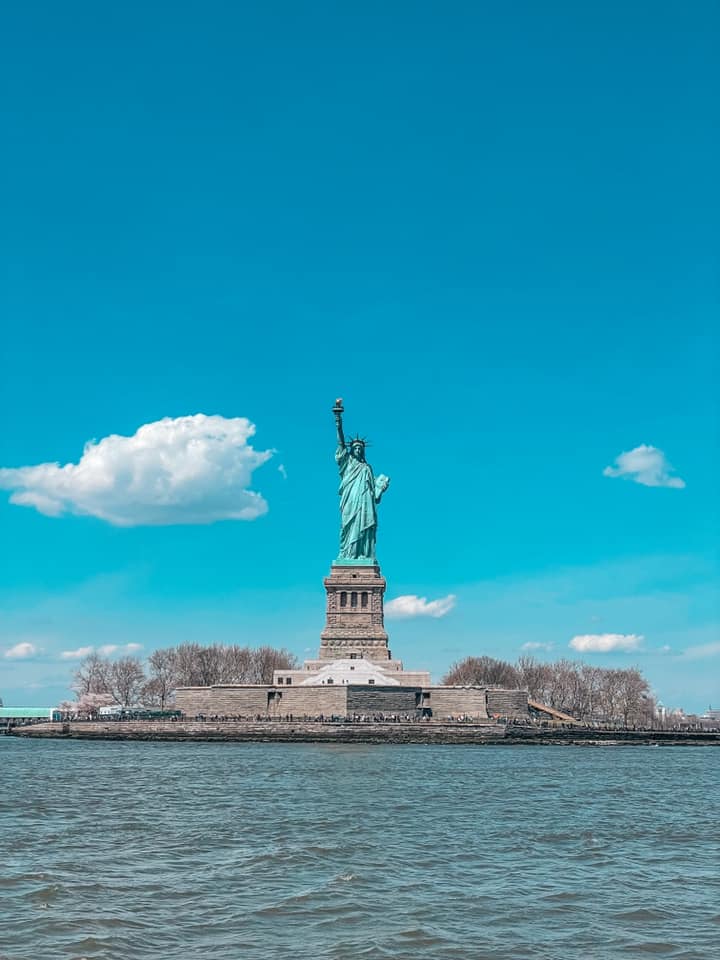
(360, 492)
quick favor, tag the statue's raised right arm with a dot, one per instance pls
(338, 410)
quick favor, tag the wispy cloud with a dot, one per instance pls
(537, 645)
(414, 606)
(76, 654)
(702, 651)
(645, 465)
(606, 642)
(195, 469)
(106, 650)
(22, 651)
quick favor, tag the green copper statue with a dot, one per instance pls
(360, 492)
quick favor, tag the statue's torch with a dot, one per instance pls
(338, 409)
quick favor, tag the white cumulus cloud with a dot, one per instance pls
(76, 654)
(22, 651)
(195, 469)
(606, 642)
(413, 606)
(645, 465)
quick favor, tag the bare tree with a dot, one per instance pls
(482, 672)
(194, 665)
(562, 690)
(589, 691)
(151, 695)
(536, 677)
(582, 690)
(92, 675)
(237, 665)
(126, 680)
(163, 669)
(632, 693)
(197, 666)
(209, 664)
(186, 664)
(609, 697)
(267, 659)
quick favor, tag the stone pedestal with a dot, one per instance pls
(354, 619)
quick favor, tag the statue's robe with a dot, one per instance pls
(357, 507)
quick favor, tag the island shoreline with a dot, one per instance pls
(345, 732)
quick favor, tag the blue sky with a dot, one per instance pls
(491, 229)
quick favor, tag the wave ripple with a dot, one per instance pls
(115, 851)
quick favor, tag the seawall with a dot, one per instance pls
(339, 732)
(267, 730)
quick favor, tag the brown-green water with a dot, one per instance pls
(182, 851)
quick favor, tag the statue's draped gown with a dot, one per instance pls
(357, 507)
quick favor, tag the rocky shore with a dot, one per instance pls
(362, 732)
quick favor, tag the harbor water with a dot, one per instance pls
(231, 851)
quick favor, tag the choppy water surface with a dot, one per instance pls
(223, 851)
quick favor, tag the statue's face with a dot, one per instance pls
(358, 451)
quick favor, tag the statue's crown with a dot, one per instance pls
(358, 439)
